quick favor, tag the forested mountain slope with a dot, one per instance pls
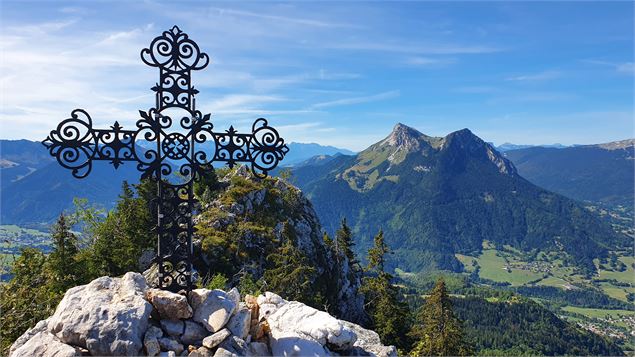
(437, 196)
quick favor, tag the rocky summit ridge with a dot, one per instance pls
(124, 317)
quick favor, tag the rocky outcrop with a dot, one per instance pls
(122, 317)
(240, 213)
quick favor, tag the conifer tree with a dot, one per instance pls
(62, 263)
(208, 181)
(344, 243)
(290, 274)
(124, 234)
(440, 333)
(327, 240)
(389, 313)
(26, 298)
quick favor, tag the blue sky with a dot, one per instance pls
(336, 73)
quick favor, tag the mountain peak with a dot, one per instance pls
(405, 137)
(464, 139)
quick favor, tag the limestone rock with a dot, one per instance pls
(151, 341)
(234, 345)
(170, 344)
(257, 349)
(269, 298)
(173, 327)
(201, 352)
(265, 310)
(193, 333)
(215, 339)
(297, 326)
(152, 275)
(234, 295)
(212, 308)
(20, 341)
(240, 323)
(171, 306)
(221, 352)
(292, 345)
(369, 343)
(109, 316)
(44, 344)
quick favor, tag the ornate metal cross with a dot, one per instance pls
(176, 151)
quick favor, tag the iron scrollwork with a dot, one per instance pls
(177, 148)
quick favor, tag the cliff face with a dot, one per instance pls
(123, 317)
(245, 223)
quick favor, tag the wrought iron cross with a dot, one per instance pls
(176, 150)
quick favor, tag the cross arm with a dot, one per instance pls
(262, 150)
(76, 144)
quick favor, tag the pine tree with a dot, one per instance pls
(208, 181)
(440, 332)
(290, 274)
(389, 313)
(62, 264)
(124, 234)
(344, 243)
(328, 242)
(26, 298)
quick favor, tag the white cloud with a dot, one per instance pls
(429, 61)
(542, 76)
(358, 100)
(622, 67)
(414, 48)
(278, 18)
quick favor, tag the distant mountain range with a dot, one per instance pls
(602, 173)
(19, 158)
(509, 146)
(433, 196)
(299, 152)
(437, 196)
(35, 189)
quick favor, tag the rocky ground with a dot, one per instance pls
(123, 317)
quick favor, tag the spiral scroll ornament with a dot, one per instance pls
(185, 145)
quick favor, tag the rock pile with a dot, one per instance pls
(123, 317)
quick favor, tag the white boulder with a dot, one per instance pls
(212, 308)
(108, 316)
(45, 344)
(297, 329)
(215, 339)
(240, 323)
(170, 306)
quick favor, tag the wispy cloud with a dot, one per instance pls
(357, 100)
(535, 77)
(622, 67)
(278, 18)
(627, 67)
(414, 48)
(429, 61)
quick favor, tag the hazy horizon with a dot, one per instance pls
(338, 74)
